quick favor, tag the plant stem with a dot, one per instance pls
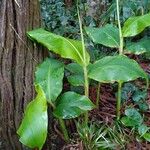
(86, 82)
(120, 30)
(64, 130)
(119, 99)
(62, 125)
(120, 53)
(98, 95)
(86, 90)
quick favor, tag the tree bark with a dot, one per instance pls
(18, 58)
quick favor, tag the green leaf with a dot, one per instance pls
(76, 80)
(129, 122)
(74, 68)
(146, 136)
(49, 76)
(33, 129)
(139, 47)
(132, 119)
(135, 25)
(116, 68)
(142, 129)
(77, 77)
(107, 35)
(139, 96)
(143, 106)
(65, 47)
(71, 105)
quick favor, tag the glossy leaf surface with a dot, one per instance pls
(116, 68)
(135, 25)
(132, 119)
(107, 35)
(139, 47)
(49, 76)
(76, 77)
(66, 48)
(71, 105)
(33, 129)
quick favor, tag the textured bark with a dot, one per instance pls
(18, 58)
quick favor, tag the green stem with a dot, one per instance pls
(119, 99)
(120, 53)
(98, 95)
(64, 130)
(86, 82)
(62, 125)
(120, 30)
(86, 90)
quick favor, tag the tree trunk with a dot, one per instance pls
(18, 58)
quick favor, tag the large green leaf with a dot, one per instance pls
(135, 25)
(139, 47)
(71, 105)
(132, 119)
(76, 77)
(116, 68)
(107, 35)
(49, 76)
(33, 129)
(65, 47)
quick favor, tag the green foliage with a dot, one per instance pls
(128, 8)
(138, 96)
(146, 136)
(71, 105)
(49, 76)
(139, 47)
(116, 68)
(95, 137)
(107, 35)
(66, 48)
(76, 77)
(101, 136)
(33, 129)
(142, 129)
(135, 25)
(133, 118)
(58, 18)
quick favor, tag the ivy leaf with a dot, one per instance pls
(33, 129)
(142, 129)
(66, 48)
(116, 68)
(135, 25)
(132, 119)
(146, 136)
(107, 35)
(49, 76)
(77, 77)
(71, 105)
(139, 47)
